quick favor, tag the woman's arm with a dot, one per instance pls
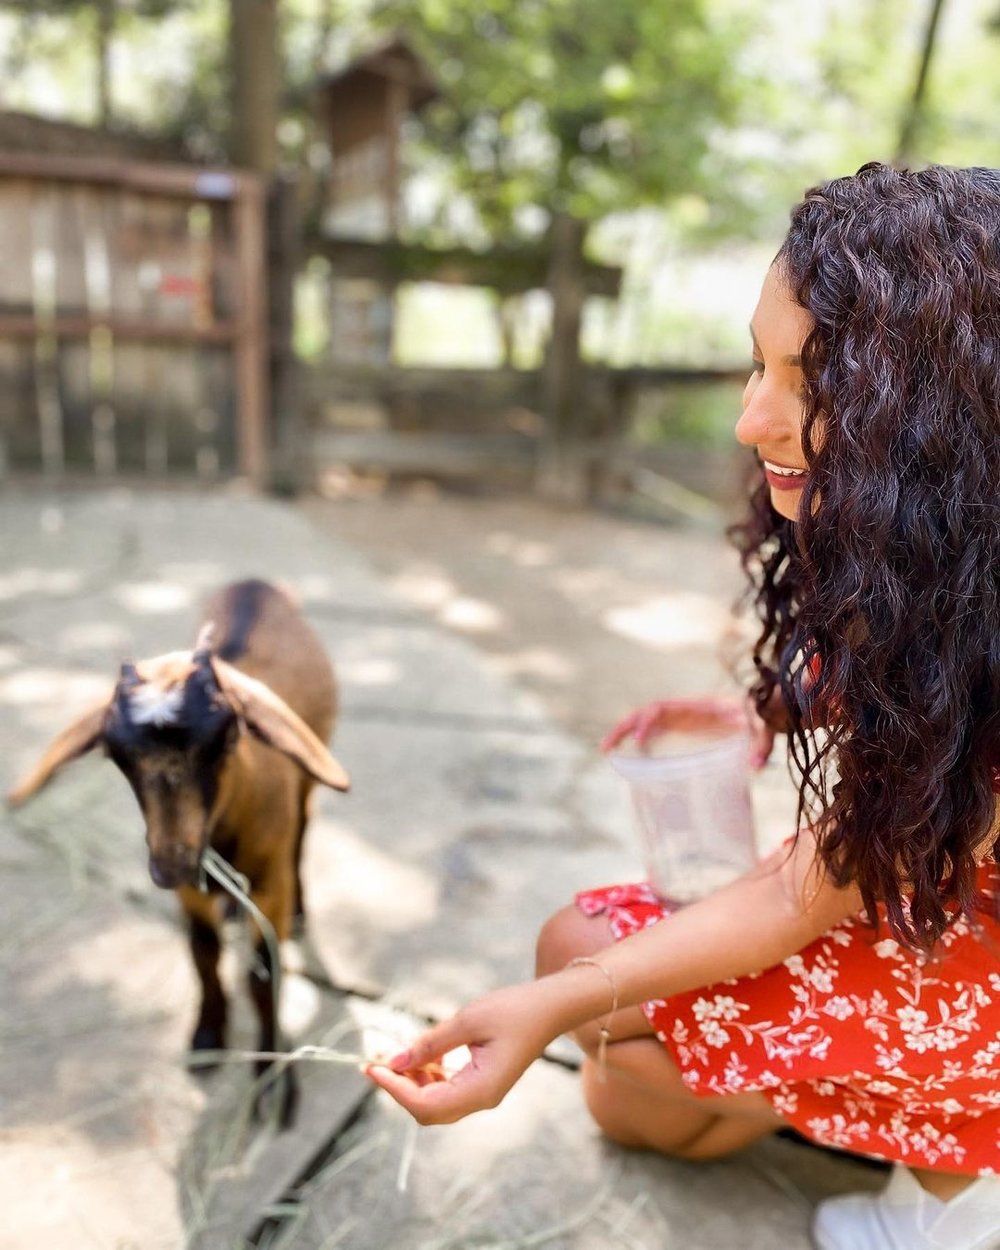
(754, 923)
(778, 908)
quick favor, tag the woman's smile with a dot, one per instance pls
(782, 477)
(773, 407)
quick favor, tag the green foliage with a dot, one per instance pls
(718, 112)
(117, 8)
(699, 413)
(715, 112)
(68, 39)
(192, 107)
(574, 105)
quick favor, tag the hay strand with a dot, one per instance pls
(237, 887)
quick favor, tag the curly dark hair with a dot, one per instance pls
(890, 576)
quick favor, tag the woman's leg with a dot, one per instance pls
(643, 1102)
(943, 1185)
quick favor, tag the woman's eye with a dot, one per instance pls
(757, 365)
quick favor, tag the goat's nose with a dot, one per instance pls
(170, 871)
(163, 875)
(159, 875)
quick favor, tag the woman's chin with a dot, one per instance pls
(786, 503)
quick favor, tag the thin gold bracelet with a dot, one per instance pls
(604, 1029)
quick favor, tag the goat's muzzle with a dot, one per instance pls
(176, 868)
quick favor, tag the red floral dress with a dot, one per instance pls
(856, 1041)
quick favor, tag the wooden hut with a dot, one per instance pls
(362, 109)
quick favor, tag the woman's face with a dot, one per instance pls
(771, 421)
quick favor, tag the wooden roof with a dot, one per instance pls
(392, 61)
(35, 134)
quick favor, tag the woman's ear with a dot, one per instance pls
(274, 722)
(76, 740)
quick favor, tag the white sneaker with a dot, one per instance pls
(904, 1216)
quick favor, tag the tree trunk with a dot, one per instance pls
(914, 112)
(314, 180)
(255, 70)
(103, 33)
(562, 471)
(507, 311)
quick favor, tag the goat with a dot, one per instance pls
(222, 746)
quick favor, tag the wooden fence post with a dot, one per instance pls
(252, 336)
(562, 474)
(284, 252)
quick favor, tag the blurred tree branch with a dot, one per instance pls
(103, 18)
(914, 112)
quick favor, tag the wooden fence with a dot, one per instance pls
(133, 319)
(487, 425)
(146, 325)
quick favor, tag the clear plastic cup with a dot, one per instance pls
(691, 801)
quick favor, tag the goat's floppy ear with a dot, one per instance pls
(272, 720)
(76, 740)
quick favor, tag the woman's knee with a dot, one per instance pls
(567, 935)
(725, 1136)
(607, 1110)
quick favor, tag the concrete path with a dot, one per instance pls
(475, 813)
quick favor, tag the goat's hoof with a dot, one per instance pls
(277, 1101)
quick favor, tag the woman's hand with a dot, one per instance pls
(505, 1032)
(692, 714)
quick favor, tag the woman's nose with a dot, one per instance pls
(758, 423)
(766, 419)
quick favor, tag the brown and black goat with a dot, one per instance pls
(222, 746)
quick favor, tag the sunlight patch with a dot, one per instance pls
(537, 662)
(670, 621)
(528, 553)
(369, 672)
(153, 597)
(40, 581)
(369, 885)
(532, 555)
(31, 686)
(426, 586)
(471, 614)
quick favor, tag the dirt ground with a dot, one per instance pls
(483, 646)
(593, 612)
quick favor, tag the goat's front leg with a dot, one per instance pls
(298, 902)
(203, 929)
(274, 896)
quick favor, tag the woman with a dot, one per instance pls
(850, 985)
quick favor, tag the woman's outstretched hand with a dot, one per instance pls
(504, 1032)
(692, 714)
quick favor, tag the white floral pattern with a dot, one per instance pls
(858, 1044)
